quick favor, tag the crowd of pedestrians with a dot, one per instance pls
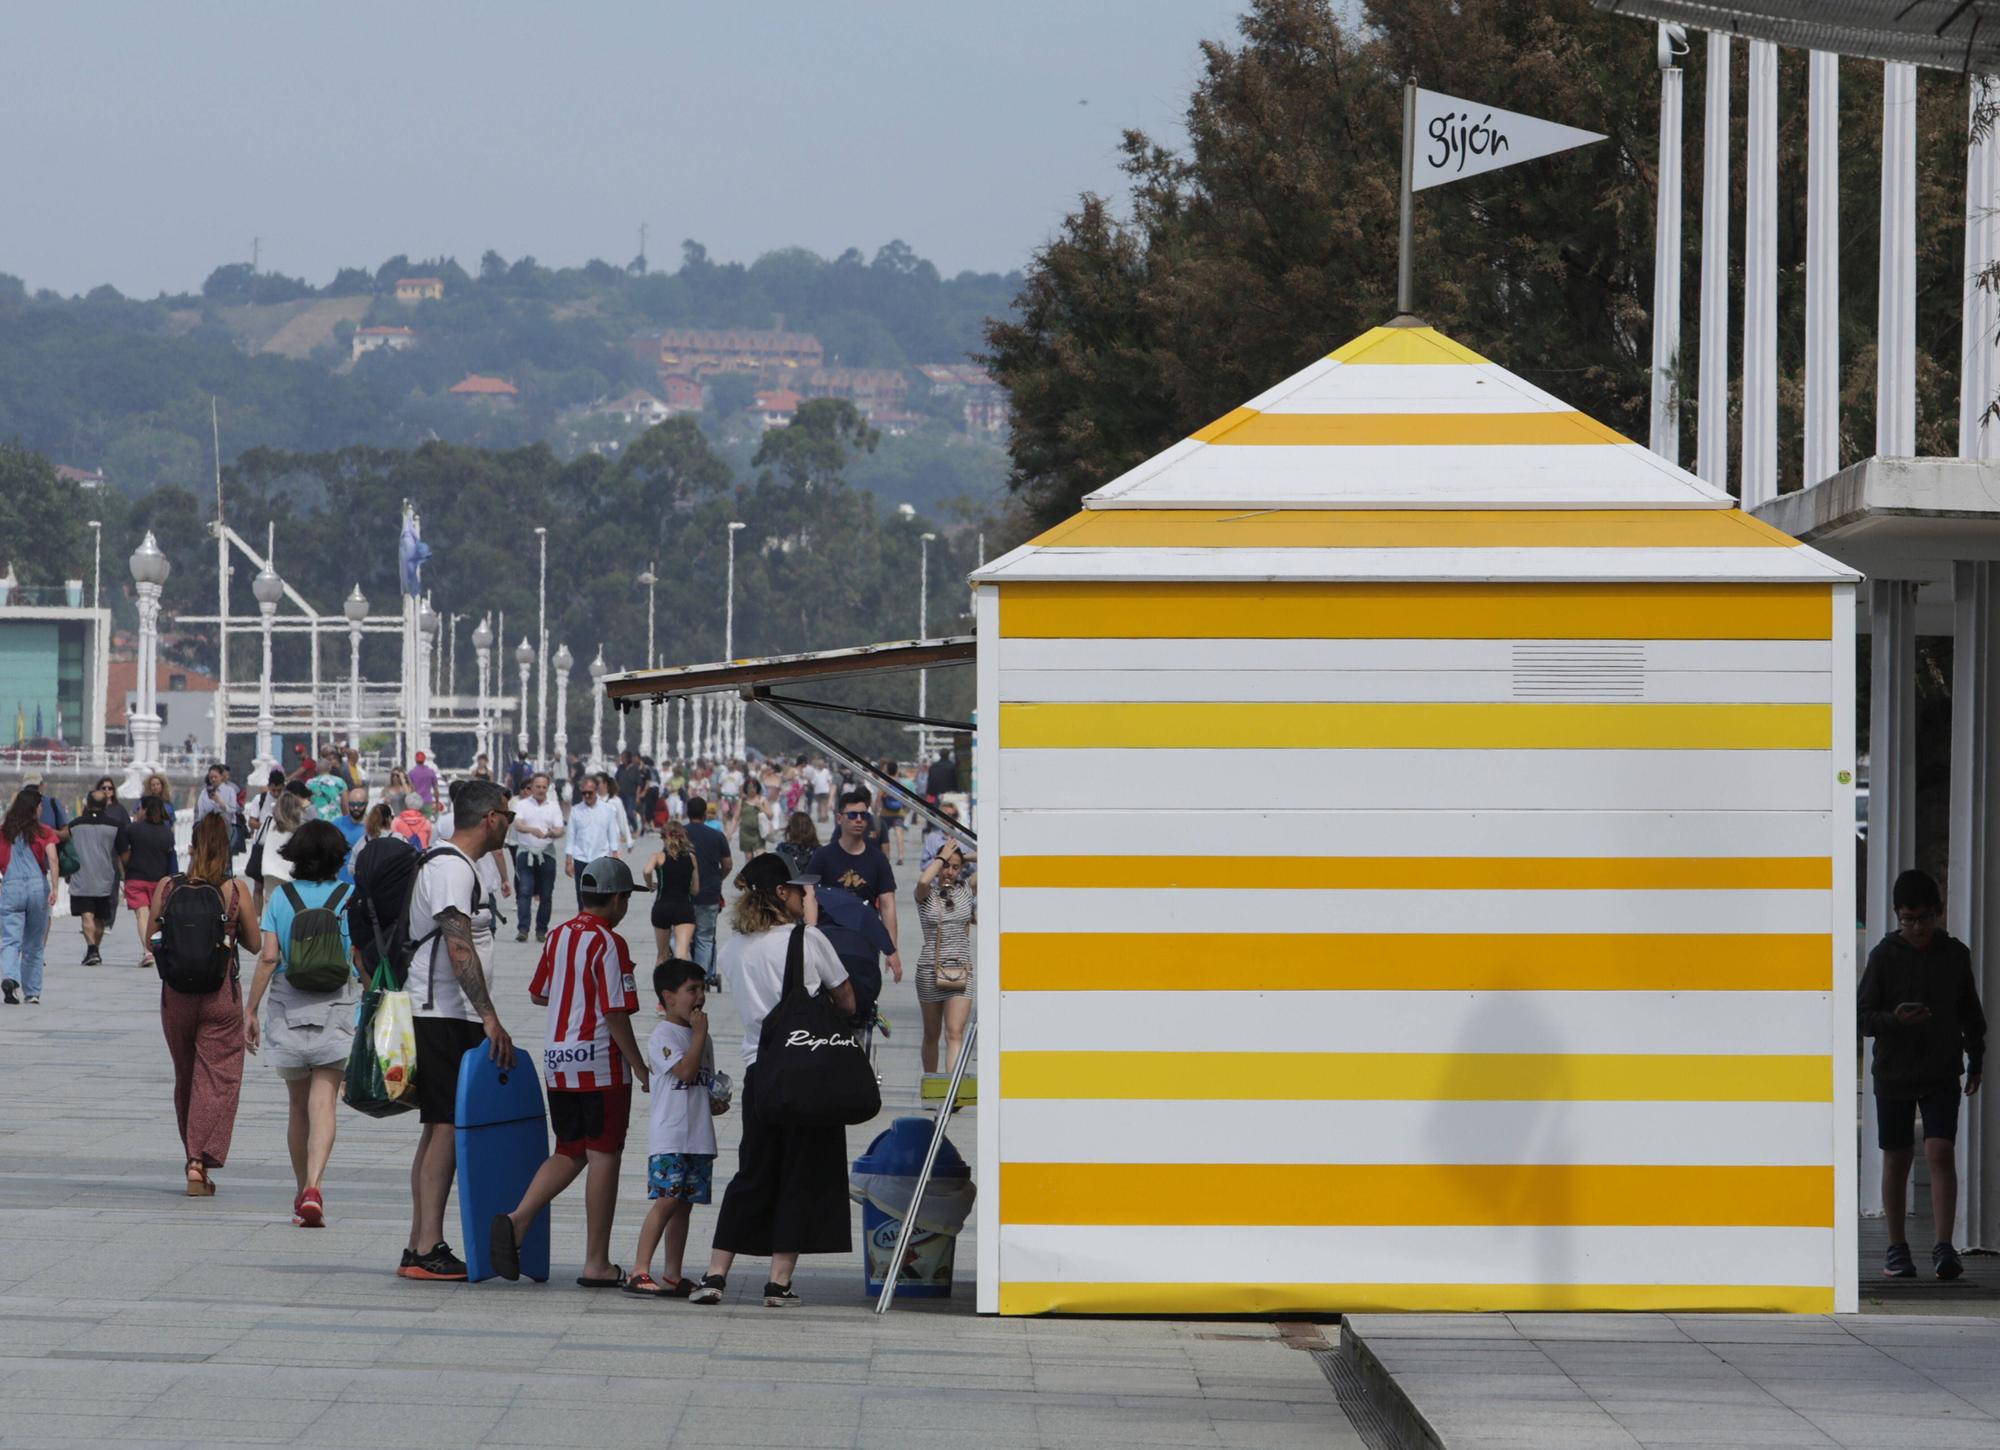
(321, 877)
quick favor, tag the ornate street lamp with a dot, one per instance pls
(564, 663)
(268, 589)
(149, 574)
(524, 656)
(427, 628)
(646, 708)
(482, 646)
(598, 670)
(356, 610)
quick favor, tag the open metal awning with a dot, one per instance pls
(758, 681)
(1958, 35)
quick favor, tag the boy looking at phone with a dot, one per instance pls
(1919, 1001)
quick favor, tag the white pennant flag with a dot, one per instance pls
(1456, 139)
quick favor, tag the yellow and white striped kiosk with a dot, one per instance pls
(1417, 860)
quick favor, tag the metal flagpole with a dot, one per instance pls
(1405, 287)
(221, 600)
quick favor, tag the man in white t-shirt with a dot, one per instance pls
(538, 834)
(453, 1001)
(820, 780)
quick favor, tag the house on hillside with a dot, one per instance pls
(81, 477)
(375, 339)
(411, 290)
(875, 391)
(637, 406)
(775, 409)
(772, 356)
(681, 393)
(493, 392)
(983, 403)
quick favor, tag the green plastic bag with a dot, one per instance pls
(366, 1085)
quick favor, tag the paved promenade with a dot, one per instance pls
(132, 1315)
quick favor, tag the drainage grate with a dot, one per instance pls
(1350, 1392)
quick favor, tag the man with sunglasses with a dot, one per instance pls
(853, 863)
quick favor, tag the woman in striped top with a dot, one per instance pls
(946, 907)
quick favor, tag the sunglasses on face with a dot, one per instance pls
(854, 815)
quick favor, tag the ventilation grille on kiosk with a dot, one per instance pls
(1579, 669)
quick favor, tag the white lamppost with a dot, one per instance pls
(269, 589)
(681, 729)
(725, 737)
(542, 648)
(646, 710)
(924, 632)
(482, 646)
(598, 669)
(621, 731)
(524, 656)
(356, 609)
(96, 559)
(564, 663)
(149, 573)
(427, 628)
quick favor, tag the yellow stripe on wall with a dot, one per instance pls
(1413, 529)
(1246, 427)
(1416, 1194)
(1395, 725)
(1184, 1297)
(1421, 1076)
(1185, 610)
(1421, 873)
(1415, 962)
(1402, 346)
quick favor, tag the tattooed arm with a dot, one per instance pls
(455, 932)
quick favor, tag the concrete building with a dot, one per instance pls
(52, 668)
(376, 339)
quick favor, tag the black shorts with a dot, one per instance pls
(441, 1042)
(669, 911)
(104, 908)
(1895, 1118)
(590, 1121)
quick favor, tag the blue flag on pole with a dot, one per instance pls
(413, 551)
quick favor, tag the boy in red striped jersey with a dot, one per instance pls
(585, 979)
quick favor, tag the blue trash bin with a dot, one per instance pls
(893, 1161)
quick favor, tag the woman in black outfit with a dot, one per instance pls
(675, 876)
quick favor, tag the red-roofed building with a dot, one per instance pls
(681, 393)
(81, 477)
(419, 289)
(477, 387)
(775, 409)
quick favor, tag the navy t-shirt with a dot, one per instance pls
(867, 875)
(710, 847)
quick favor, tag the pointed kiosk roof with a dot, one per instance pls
(1406, 455)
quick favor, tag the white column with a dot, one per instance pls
(542, 653)
(563, 662)
(1978, 436)
(1974, 887)
(354, 685)
(681, 729)
(1892, 800)
(598, 669)
(1760, 280)
(1665, 438)
(1822, 441)
(1711, 442)
(1896, 309)
(524, 657)
(267, 725)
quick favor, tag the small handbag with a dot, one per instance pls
(952, 974)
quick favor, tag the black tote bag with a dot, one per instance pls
(811, 1068)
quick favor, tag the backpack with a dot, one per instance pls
(397, 947)
(315, 961)
(191, 945)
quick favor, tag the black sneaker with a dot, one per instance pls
(92, 957)
(7, 990)
(779, 1296)
(709, 1291)
(520, 936)
(541, 936)
(1945, 1260)
(1897, 1263)
(714, 982)
(440, 1263)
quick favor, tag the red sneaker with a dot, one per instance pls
(310, 1210)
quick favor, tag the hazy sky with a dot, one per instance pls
(146, 143)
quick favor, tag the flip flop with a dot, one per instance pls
(646, 1287)
(504, 1248)
(616, 1281)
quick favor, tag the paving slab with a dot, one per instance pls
(133, 1315)
(1668, 1382)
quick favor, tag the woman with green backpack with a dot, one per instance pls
(306, 971)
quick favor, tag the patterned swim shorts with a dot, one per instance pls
(686, 1176)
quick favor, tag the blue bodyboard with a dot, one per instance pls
(503, 1137)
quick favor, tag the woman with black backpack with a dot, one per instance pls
(306, 968)
(201, 1011)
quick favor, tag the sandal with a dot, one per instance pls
(503, 1248)
(647, 1287)
(616, 1281)
(199, 1184)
